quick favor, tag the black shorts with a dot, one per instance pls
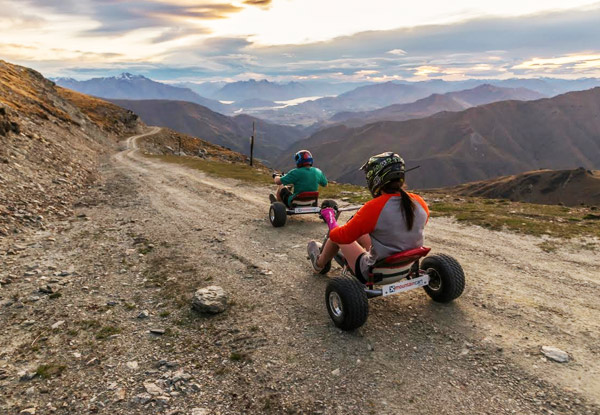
(285, 195)
(358, 271)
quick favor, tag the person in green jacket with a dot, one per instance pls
(304, 178)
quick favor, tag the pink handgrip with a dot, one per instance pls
(329, 216)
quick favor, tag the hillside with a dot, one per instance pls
(451, 101)
(231, 132)
(134, 87)
(491, 140)
(567, 187)
(52, 140)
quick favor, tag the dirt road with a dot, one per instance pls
(153, 233)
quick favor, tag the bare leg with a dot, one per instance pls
(365, 242)
(350, 251)
(278, 193)
(327, 253)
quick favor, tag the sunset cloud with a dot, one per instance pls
(212, 39)
(583, 61)
(261, 3)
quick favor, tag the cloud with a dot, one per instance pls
(121, 16)
(17, 18)
(216, 46)
(19, 52)
(177, 44)
(260, 3)
(177, 32)
(491, 47)
(571, 61)
(399, 52)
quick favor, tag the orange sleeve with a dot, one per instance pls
(420, 201)
(362, 223)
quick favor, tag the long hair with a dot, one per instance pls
(406, 203)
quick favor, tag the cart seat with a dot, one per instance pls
(306, 199)
(397, 266)
(404, 257)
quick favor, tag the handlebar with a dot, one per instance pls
(274, 174)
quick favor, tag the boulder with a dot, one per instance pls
(212, 300)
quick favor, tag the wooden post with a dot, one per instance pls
(179, 146)
(252, 143)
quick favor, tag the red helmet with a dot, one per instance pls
(303, 158)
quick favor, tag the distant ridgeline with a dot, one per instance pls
(479, 143)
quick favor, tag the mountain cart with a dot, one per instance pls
(303, 203)
(346, 298)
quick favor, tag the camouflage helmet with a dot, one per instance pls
(382, 169)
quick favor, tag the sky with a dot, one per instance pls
(285, 40)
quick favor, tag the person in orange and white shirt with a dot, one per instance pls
(393, 221)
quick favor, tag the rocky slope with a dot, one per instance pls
(51, 140)
(567, 187)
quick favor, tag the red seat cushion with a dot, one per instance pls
(402, 258)
(307, 196)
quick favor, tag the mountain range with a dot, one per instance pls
(378, 96)
(199, 121)
(128, 86)
(450, 101)
(491, 140)
(245, 96)
(267, 90)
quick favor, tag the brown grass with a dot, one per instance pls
(527, 218)
(26, 91)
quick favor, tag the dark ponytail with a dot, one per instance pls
(407, 204)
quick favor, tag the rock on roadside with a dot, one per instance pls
(212, 300)
(555, 354)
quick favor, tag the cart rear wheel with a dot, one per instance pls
(446, 278)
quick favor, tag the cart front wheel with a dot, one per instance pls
(346, 303)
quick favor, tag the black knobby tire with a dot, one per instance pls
(447, 278)
(346, 302)
(277, 214)
(328, 203)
